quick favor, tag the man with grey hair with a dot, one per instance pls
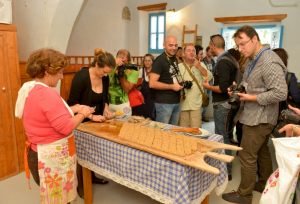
(194, 72)
(264, 81)
(165, 83)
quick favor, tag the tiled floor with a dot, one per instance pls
(15, 190)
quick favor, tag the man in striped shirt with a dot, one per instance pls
(264, 80)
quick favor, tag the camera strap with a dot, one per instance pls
(174, 65)
(193, 77)
(252, 65)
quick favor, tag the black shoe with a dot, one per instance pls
(235, 197)
(96, 180)
(80, 192)
(229, 177)
(258, 187)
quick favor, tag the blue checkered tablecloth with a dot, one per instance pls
(162, 179)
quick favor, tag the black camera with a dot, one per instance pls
(234, 99)
(122, 68)
(289, 116)
(187, 84)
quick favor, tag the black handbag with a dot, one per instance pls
(286, 116)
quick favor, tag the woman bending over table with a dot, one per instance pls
(49, 122)
(90, 87)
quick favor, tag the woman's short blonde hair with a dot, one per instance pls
(45, 60)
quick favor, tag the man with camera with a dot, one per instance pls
(164, 82)
(265, 86)
(193, 74)
(121, 80)
(224, 75)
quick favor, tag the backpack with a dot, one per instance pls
(293, 90)
(283, 107)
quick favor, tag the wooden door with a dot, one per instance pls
(9, 85)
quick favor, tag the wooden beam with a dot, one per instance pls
(153, 7)
(251, 19)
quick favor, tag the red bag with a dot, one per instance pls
(136, 98)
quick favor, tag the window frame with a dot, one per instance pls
(257, 26)
(158, 14)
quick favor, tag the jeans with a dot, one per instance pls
(167, 113)
(204, 109)
(221, 117)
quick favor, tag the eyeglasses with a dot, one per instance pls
(243, 44)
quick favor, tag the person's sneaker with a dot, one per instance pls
(259, 188)
(235, 197)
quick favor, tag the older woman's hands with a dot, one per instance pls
(86, 110)
(75, 108)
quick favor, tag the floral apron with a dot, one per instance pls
(57, 171)
(57, 168)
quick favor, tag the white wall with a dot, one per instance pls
(99, 25)
(44, 24)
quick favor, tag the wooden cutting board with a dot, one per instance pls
(183, 149)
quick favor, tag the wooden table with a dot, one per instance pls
(161, 179)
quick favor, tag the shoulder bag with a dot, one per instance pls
(205, 98)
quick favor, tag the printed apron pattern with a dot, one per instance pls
(57, 171)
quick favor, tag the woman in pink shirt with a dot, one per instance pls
(49, 122)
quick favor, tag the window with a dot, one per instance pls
(157, 28)
(268, 34)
